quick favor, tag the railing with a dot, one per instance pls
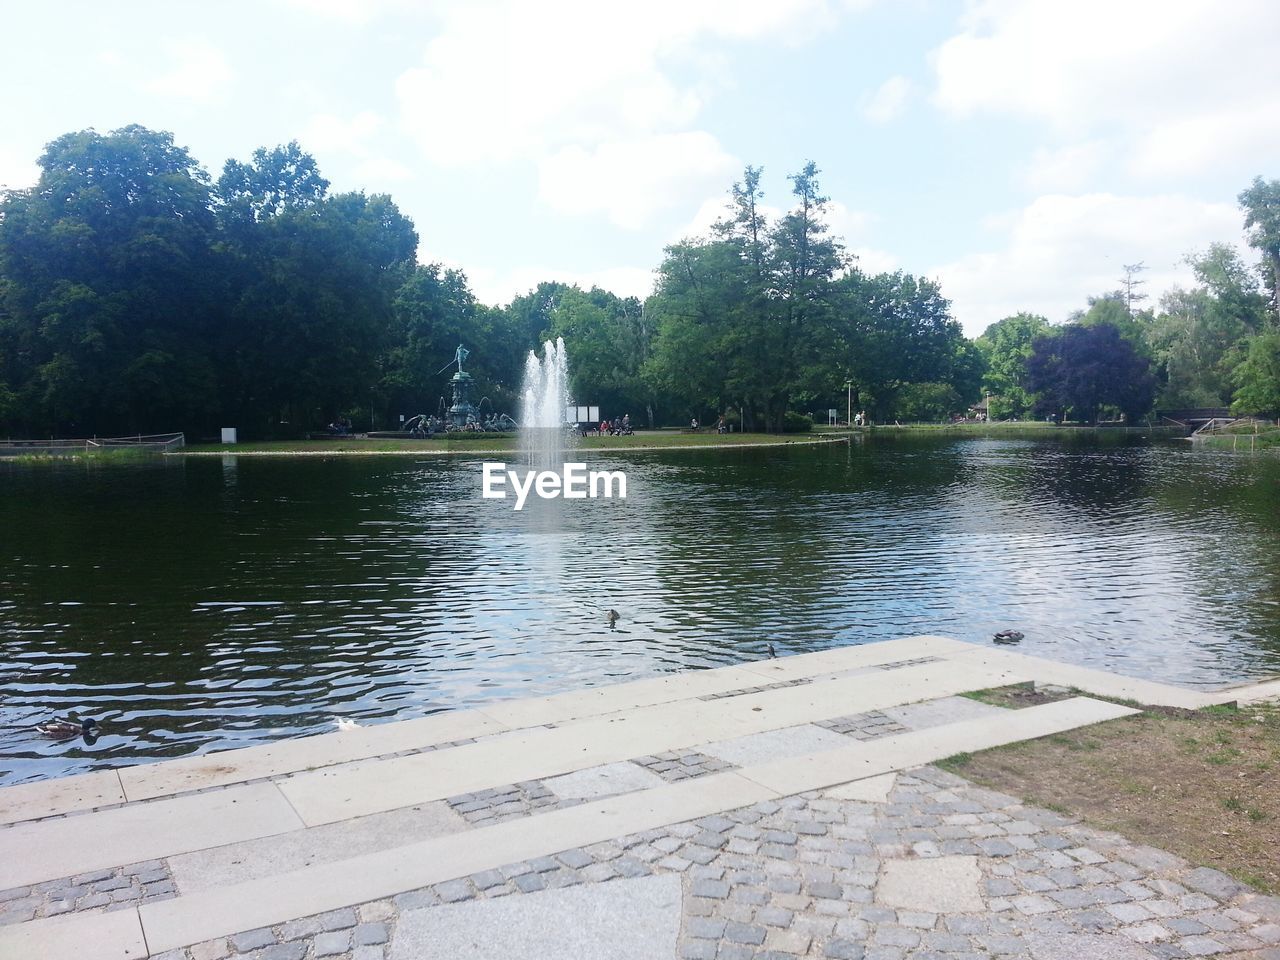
(157, 442)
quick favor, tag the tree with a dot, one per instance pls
(1083, 368)
(1006, 345)
(1129, 285)
(1261, 203)
(1201, 335)
(107, 263)
(895, 329)
(1259, 377)
(275, 181)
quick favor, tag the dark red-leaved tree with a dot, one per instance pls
(1081, 369)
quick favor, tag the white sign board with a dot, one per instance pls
(228, 434)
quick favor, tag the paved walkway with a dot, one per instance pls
(784, 808)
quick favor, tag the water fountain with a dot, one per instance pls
(545, 395)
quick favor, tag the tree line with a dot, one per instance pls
(139, 294)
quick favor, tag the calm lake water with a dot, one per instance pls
(206, 603)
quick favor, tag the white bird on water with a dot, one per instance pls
(345, 723)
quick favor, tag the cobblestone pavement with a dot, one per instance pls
(506, 803)
(863, 726)
(943, 869)
(675, 765)
(101, 889)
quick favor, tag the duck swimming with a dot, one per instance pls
(612, 617)
(1008, 636)
(64, 728)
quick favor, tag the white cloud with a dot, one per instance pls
(497, 286)
(1153, 75)
(198, 71)
(328, 132)
(872, 261)
(506, 80)
(1069, 167)
(354, 144)
(1187, 145)
(1060, 250)
(633, 181)
(888, 100)
(349, 11)
(17, 171)
(709, 212)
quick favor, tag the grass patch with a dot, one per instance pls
(1015, 696)
(103, 455)
(1242, 439)
(1199, 783)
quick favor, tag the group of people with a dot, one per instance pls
(616, 428)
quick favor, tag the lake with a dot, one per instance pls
(205, 603)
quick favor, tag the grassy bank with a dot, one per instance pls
(478, 443)
(1244, 438)
(1028, 429)
(103, 455)
(1198, 783)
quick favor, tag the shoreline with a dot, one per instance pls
(447, 453)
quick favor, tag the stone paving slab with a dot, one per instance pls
(80, 936)
(1098, 682)
(45, 798)
(875, 757)
(148, 781)
(775, 744)
(325, 796)
(694, 683)
(934, 885)
(1254, 693)
(636, 919)
(868, 790)
(50, 849)
(269, 856)
(603, 781)
(939, 712)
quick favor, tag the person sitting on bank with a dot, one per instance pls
(693, 424)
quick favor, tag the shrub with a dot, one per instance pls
(793, 422)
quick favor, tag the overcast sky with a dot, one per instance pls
(1019, 152)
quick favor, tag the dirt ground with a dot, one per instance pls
(1202, 784)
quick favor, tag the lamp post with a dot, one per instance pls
(848, 416)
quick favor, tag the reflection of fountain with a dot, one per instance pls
(545, 394)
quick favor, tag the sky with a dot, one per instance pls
(1020, 152)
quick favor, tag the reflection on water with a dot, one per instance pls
(208, 603)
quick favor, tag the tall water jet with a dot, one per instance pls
(545, 393)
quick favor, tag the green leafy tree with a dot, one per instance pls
(1259, 377)
(107, 263)
(1261, 203)
(1200, 336)
(1006, 345)
(895, 329)
(310, 315)
(608, 343)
